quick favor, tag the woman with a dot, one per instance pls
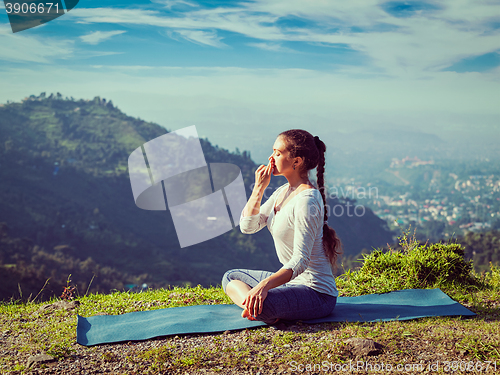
(304, 288)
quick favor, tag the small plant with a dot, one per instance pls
(59, 350)
(69, 290)
(407, 242)
(109, 357)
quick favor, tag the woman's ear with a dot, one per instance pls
(298, 162)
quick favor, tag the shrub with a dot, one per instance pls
(415, 266)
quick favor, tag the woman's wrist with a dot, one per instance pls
(265, 285)
(253, 205)
(258, 191)
(277, 279)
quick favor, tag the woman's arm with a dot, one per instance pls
(254, 216)
(308, 220)
(253, 205)
(256, 296)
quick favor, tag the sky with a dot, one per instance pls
(243, 71)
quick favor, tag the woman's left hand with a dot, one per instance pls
(255, 299)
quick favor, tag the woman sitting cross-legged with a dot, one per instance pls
(295, 214)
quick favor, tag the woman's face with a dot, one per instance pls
(280, 158)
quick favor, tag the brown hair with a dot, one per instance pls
(300, 143)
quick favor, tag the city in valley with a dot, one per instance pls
(439, 199)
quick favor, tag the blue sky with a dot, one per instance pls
(243, 71)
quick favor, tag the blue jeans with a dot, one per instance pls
(288, 302)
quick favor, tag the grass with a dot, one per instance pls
(427, 341)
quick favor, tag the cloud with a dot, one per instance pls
(97, 37)
(169, 4)
(427, 38)
(477, 63)
(231, 19)
(86, 54)
(199, 37)
(19, 47)
(274, 47)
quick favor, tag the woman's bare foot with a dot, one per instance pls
(246, 314)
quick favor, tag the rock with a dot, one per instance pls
(66, 305)
(40, 358)
(363, 347)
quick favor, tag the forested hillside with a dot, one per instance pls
(482, 248)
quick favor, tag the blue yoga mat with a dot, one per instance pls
(142, 325)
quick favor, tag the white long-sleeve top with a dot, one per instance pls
(297, 230)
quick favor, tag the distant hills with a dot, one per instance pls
(65, 192)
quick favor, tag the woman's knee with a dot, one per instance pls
(227, 278)
(249, 277)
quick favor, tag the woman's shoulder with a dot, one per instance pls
(311, 196)
(309, 203)
(311, 193)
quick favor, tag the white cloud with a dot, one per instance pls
(415, 45)
(199, 37)
(233, 19)
(97, 37)
(85, 54)
(428, 41)
(169, 4)
(19, 47)
(274, 47)
(124, 16)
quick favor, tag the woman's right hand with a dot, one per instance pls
(262, 179)
(263, 175)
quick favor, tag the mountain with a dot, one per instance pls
(64, 185)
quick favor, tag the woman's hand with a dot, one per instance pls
(254, 300)
(263, 175)
(262, 179)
